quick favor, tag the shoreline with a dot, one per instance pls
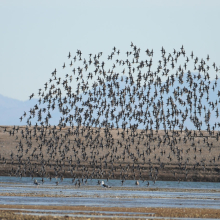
(94, 202)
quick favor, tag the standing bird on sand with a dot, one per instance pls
(36, 183)
(137, 183)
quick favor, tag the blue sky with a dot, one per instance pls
(36, 36)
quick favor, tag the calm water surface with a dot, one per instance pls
(114, 183)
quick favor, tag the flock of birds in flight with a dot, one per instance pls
(112, 115)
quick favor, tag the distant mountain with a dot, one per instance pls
(11, 110)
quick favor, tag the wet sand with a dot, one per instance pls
(16, 212)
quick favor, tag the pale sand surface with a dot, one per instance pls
(14, 213)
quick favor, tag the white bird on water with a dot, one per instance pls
(104, 185)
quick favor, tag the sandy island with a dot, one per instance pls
(192, 156)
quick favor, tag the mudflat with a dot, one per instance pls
(17, 212)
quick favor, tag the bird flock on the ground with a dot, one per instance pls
(112, 111)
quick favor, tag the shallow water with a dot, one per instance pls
(114, 183)
(112, 202)
(161, 194)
